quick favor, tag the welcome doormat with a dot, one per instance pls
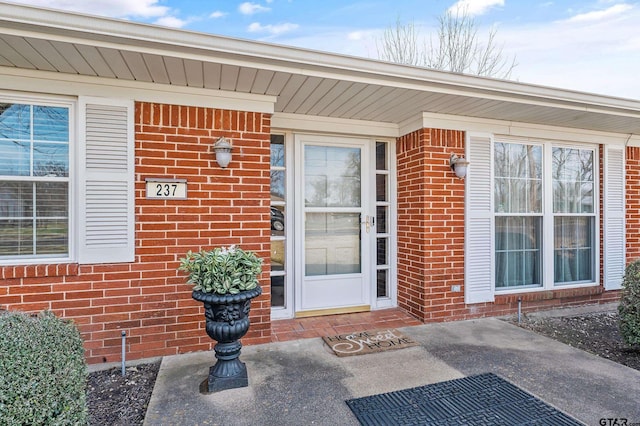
(485, 399)
(366, 342)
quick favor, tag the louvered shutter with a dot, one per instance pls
(479, 255)
(614, 215)
(106, 190)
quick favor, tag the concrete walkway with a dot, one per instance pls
(302, 383)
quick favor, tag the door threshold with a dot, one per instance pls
(333, 311)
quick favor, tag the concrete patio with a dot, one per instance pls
(302, 382)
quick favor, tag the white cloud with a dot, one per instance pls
(110, 8)
(217, 14)
(588, 56)
(475, 7)
(171, 21)
(599, 15)
(257, 27)
(248, 8)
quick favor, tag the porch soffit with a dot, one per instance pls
(305, 82)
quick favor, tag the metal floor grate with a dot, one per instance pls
(485, 399)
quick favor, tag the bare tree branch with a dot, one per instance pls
(456, 47)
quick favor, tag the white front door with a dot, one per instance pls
(334, 224)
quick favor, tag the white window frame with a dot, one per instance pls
(548, 215)
(71, 104)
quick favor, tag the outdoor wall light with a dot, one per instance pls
(458, 165)
(222, 148)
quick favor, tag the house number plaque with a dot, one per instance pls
(167, 189)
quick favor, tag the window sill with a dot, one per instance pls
(546, 294)
(38, 271)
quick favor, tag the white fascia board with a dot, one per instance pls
(519, 129)
(317, 124)
(144, 38)
(75, 85)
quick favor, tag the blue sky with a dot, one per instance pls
(588, 45)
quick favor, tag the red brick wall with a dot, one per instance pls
(430, 224)
(431, 237)
(148, 298)
(633, 203)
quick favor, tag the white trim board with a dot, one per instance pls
(512, 128)
(76, 85)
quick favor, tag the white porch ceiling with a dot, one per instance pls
(304, 82)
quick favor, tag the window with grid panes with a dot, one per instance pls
(524, 173)
(34, 180)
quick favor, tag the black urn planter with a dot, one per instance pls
(227, 320)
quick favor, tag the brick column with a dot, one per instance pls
(430, 225)
(633, 203)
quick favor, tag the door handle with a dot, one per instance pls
(369, 222)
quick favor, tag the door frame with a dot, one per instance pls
(367, 207)
(292, 178)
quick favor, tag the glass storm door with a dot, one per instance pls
(335, 229)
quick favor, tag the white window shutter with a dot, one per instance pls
(478, 262)
(614, 217)
(106, 184)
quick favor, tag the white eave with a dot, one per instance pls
(304, 82)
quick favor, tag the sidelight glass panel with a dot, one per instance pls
(332, 177)
(381, 187)
(332, 243)
(277, 185)
(277, 219)
(277, 150)
(382, 280)
(381, 219)
(277, 290)
(382, 248)
(381, 156)
(277, 255)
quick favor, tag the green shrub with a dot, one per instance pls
(42, 371)
(629, 308)
(222, 270)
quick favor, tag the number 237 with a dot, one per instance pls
(166, 189)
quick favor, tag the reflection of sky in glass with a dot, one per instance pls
(277, 185)
(50, 123)
(518, 178)
(50, 159)
(277, 151)
(332, 176)
(573, 185)
(49, 141)
(14, 157)
(15, 121)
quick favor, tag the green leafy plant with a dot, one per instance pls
(43, 372)
(629, 308)
(222, 270)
